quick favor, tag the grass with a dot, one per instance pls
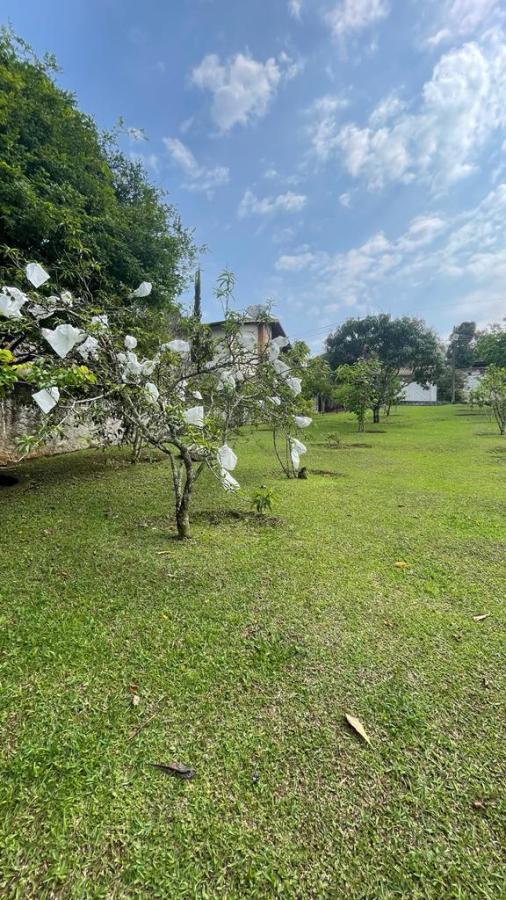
(246, 646)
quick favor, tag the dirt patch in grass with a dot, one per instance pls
(223, 516)
(326, 473)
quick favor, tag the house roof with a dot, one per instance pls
(276, 326)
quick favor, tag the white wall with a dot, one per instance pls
(471, 382)
(415, 393)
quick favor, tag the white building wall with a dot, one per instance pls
(415, 393)
(471, 382)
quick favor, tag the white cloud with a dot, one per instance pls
(345, 200)
(355, 15)
(148, 160)
(459, 19)
(460, 108)
(242, 88)
(252, 205)
(386, 110)
(198, 178)
(464, 256)
(295, 263)
(295, 8)
(323, 129)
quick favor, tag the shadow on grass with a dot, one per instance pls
(343, 446)
(7, 481)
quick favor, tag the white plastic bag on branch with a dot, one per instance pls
(298, 446)
(152, 390)
(177, 346)
(143, 290)
(248, 340)
(101, 320)
(227, 380)
(295, 385)
(302, 421)
(227, 458)
(36, 274)
(11, 301)
(46, 399)
(280, 367)
(63, 338)
(295, 459)
(194, 416)
(228, 481)
(89, 349)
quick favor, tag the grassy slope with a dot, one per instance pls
(247, 645)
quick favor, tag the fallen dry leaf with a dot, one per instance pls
(481, 617)
(401, 565)
(357, 726)
(135, 699)
(176, 769)
(478, 804)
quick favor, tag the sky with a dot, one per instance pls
(341, 157)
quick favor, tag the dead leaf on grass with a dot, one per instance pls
(178, 770)
(135, 699)
(481, 617)
(401, 564)
(357, 726)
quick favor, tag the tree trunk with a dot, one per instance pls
(183, 492)
(183, 523)
(376, 415)
(453, 375)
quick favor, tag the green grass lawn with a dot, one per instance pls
(248, 645)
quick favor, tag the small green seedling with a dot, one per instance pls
(262, 499)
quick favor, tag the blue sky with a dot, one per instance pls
(340, 156)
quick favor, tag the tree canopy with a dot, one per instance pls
(70, 198)
(404, 343)
(491, 346)
(461, 352)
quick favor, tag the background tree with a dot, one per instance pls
(491, 346)
(405, 347)
(491, 392)
(449, 381)
(70, 199)
(197, 297)
(359, 387)
(461, 351)
(317, 382)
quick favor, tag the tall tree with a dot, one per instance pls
(197, 298)
(460, 353)
(70, 199)
(406, 348)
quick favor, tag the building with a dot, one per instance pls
(416, 394)
(472, 379)
(260, 328)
